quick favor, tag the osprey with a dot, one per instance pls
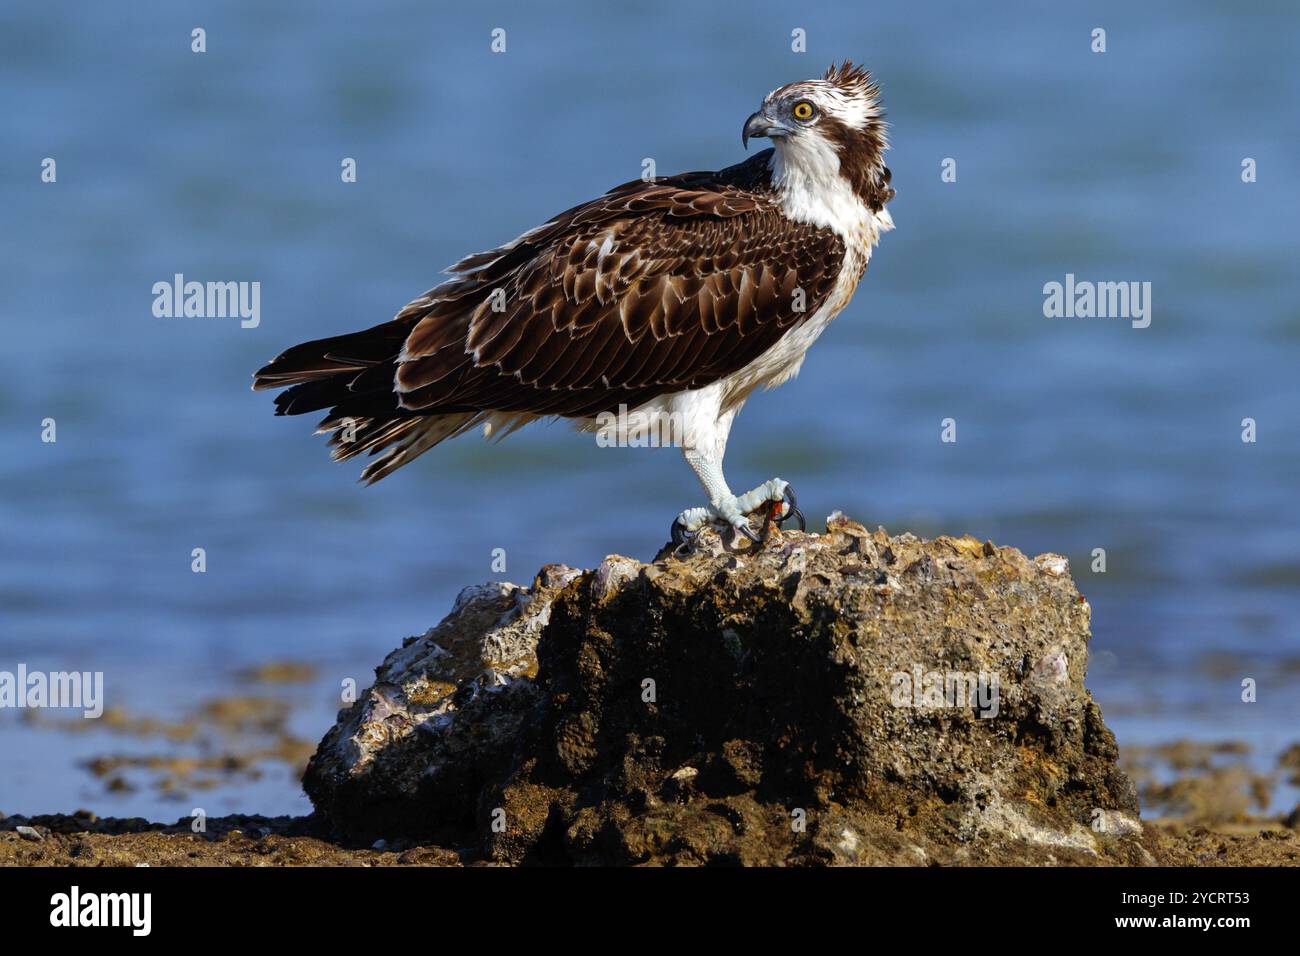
(673, 297)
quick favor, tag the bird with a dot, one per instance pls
(674, 297)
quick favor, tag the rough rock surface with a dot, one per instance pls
(441, 719)
(843, 698)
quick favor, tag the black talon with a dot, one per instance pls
(681, 537)
(748, 532)
(803, 525)
(794, 512)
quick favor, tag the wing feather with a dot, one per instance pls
(651, 289)
(676, 296)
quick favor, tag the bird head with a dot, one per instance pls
(828, 127)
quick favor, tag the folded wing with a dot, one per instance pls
(654, 288)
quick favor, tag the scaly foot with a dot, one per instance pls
(775, 498)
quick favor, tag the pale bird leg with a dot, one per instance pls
(726, 508)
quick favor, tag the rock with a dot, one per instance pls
(845, 698)
(411, 755)
(29, 833)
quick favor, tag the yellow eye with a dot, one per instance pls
(803, 110)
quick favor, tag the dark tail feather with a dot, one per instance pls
(327, 358)
(352, 376)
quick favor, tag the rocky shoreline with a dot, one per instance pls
(845, 698)
(83, 840)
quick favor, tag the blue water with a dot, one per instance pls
(1072, 434)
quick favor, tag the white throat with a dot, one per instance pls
(806, 174)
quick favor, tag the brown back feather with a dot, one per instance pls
(653, 288)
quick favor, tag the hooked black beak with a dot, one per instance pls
(759, 124)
